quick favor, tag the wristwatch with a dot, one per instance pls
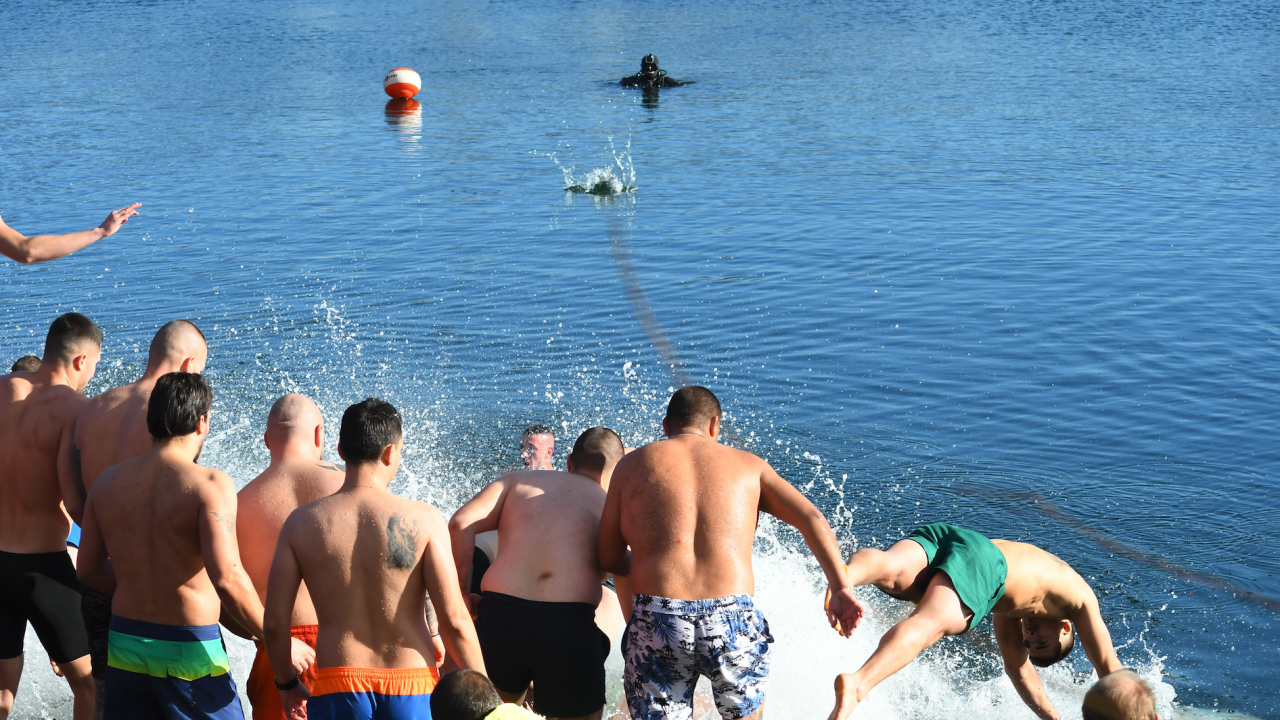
(286, 686)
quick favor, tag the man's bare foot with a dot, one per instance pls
(846, 697)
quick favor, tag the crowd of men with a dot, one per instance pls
(359, 599)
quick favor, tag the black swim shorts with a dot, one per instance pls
(41, 588)
(554, 644)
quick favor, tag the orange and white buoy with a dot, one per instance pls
(402, 83)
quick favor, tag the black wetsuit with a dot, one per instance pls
(657, 80)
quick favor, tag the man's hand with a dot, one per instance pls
(301, 656)
(844, 612)
(118, 218)
(294, 702)
(473, 604)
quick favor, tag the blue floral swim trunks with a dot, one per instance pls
(669, 643)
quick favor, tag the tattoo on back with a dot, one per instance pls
(402, 543)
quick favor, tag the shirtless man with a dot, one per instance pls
(168, 526)
(688, 507)
(537, 616)
(297, 475)
(37, 580)
(112, 428)
(41, 248)
(369, 559)
(955, 577)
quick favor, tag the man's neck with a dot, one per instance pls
(295, 451)
(54, 375)
(184, 447)
(156, 371)
(364, 476)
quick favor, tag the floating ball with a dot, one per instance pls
(402, 83)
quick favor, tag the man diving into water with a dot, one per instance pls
(650, 76)
(37, 579)
(688, 507)
(296, 476)
(537, 618)
(955, 577)
(370, 559)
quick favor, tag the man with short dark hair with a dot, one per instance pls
(1122, 695)
(160, 536)
(956, 577)
(26, 363)
(370, 559)
(537, 448)
(41, 248)
(468, 695)
(37, 579)
(537, 618)
(112, 428)
(688, 508)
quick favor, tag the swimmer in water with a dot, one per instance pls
(296, 476)
(537, 615)
(43, 248)
(37, 578)
(688, 507)
(370, 560)
(955, 577)
(650, 76)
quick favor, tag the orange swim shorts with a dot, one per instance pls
(261, 686)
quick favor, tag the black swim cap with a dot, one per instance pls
(649, 63)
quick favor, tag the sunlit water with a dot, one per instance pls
(1008, 265)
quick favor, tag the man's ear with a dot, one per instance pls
(713, 428)
(665, 431)
(568, 462)
(266, 440)
(186, 365)
(202, 425)
(388, 455)
(80, 362)
(344, 457)
(320, 436)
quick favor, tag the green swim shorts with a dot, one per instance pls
(975, 565)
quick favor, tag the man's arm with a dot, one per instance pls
(222, 555)
(1094, 635)
(281, 646)
(42, 248)
(611, 547)
(1017, 665)
(480, 514)
(438, 574)
(93, 568)
(781, 500)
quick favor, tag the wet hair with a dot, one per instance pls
(367, 427)
(1066, 649)
(649, 63)
(1122, 695)
(67, 336)
(538, 429)
(595, 448)
(26, 363)
(691, 406)
(172, 336)
(177, 403)
(463, 695)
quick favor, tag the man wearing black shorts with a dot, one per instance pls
(38, 583)
(537, 612)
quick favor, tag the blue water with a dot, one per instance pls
(1005, 264)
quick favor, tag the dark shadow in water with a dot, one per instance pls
(650, 98)
(640, 303)
(405, 112)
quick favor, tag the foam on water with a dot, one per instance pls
(615, 179)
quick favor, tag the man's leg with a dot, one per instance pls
(939, 614)
(10, 674)
(896, 571)
(79, 675)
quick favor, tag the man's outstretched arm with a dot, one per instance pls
(781, 500)
(42, 248)
(1094, 635)
(1017, 665)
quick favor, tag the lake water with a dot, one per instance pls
(1010, 265)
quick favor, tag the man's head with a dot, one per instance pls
(595, 453)
(537, 447)
(371, 433)
(1122, 695)
(179, 406)
(463, 695)
(26, 363)
(74, 345)
(178, 346)
(1047, 641)
(295, 425)
(649, 64)
(693, 409)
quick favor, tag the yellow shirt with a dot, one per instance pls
(509, 711)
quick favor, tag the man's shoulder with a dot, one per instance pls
(102, 404)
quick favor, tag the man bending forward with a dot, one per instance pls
(537, 615)
(688, 507)
(955, 577)
(369, 559)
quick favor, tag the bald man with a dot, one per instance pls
(112, 428)
(296, 476)
(1122, 695)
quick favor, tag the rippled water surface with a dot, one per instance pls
(1006, 264)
